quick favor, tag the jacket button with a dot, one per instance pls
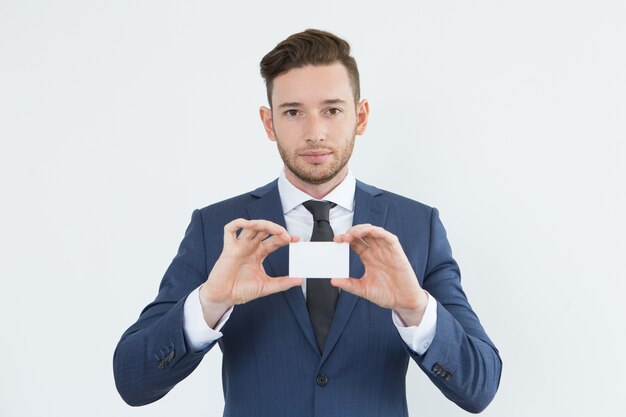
(436, 368)
(322, 380)
(447, 376)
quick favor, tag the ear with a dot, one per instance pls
(268, 123)
(362, 115)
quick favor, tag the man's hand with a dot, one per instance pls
(238, 275)
(389, 280)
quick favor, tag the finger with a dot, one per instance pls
(378, 233)
(267, 226)
(260, 234)
(352, 285)
(274, 242)
(357, 233)
(255, 229)
(278, 284)
(247, 233)
(359, 246)
(261, 229)
(344, 238)
(230, 230)
(374, 235)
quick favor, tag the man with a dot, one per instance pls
(294, 347)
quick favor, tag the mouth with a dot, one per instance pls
(315, 156)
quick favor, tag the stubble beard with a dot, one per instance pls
(313, 174)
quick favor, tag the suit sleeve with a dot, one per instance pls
(152, 356)
(461, 361)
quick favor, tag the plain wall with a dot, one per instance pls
(118, 118)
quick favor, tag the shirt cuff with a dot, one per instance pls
(419, 338)
(198, 334)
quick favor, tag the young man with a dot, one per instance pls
(294, 347)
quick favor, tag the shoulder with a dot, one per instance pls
(395, 202)
(234, 207)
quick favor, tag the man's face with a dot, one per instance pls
(314, 121)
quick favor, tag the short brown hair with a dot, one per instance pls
(311, 47)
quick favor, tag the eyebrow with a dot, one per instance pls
(326, 102)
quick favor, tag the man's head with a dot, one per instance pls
(311, 47)
(314, 114)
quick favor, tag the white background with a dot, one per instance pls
(118, 118)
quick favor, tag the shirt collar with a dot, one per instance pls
(291, 197)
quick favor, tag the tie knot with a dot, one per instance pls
(319, 209)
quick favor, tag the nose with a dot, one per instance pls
(314, 129)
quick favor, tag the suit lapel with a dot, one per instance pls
(367, 209)
(268, 207)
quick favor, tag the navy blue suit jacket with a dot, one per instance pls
(271, 364)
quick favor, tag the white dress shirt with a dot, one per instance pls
(300, 223)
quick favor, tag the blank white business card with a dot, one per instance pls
(319, 260)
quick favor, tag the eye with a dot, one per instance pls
(334, 111)
(291, 112)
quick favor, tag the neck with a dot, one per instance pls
(317, 191)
